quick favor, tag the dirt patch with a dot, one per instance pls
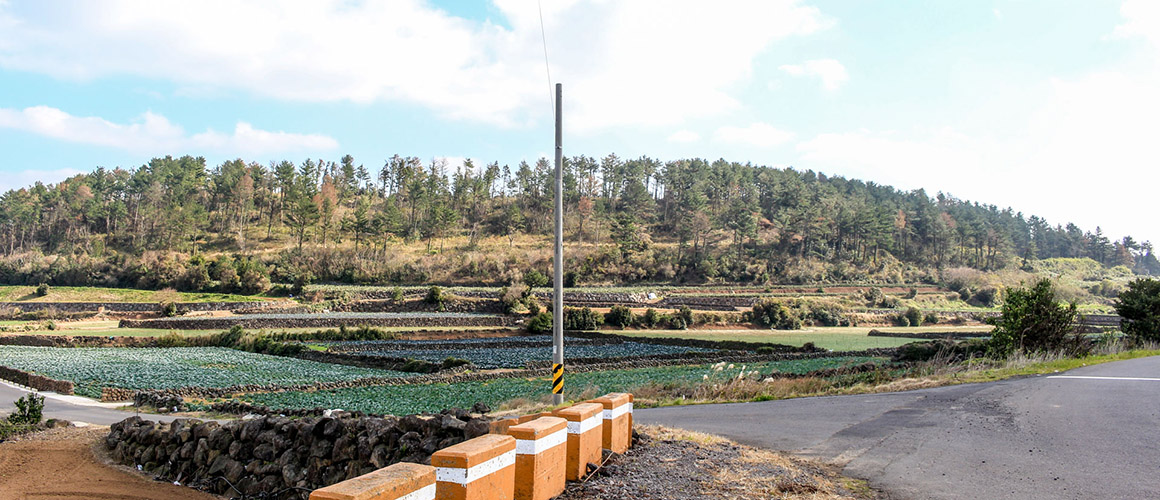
(60, 464)
(678, 465)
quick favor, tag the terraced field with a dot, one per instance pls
(155, 368)
(406, 399)
(515, 353)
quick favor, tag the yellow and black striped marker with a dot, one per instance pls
(557, 378)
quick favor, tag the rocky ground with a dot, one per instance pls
(668, 464)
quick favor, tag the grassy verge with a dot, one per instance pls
(832, 338)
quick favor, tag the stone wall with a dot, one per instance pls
(38, 382)
(279, 457)
(128, 307)
(931, 335)
(320, 321)
(78, 341)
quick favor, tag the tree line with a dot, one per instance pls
(737, 221)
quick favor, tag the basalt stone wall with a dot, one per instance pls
(38, 382)
(931, 335)
(478, 306)
(279, 457)
(680, 342)
(130, 307)
(315, 322)
(79, 341)
(713, 303)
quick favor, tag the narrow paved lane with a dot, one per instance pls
(73, 409)
(1093, 434)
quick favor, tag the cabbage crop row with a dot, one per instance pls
(157, 368)
(517, 357)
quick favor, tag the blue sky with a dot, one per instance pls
(1048, 106)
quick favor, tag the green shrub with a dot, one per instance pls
(42, 289)
(618, 316)
(931, 318)
(1033, 321)
(771, 313)
(540, 323)
(986, 296)
(51, 325)
(766, 350)
(254, 282)
(397, 294)
(172, 339)
(533, 305)
(650, 318)
(512, 296)
(1139, 308)
(900, 319)
(685, 314)
(435, 297)
(912, 293)
(29, 410)
(453, 362)
(535, 279)
(168, 309)
(582, 319)
(914, 316)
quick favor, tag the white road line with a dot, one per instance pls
(1106, 378)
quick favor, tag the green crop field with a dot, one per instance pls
(154, 368)
(96, 294)
(832, 338)
(407, 399)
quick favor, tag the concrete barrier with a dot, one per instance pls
(617, 415)
(541, 454)
(480, 469)
(401, 481)
(585, 429)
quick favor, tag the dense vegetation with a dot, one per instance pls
(237, 226)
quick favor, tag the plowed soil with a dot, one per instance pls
(61, 464)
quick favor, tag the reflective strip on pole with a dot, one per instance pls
(557, 379)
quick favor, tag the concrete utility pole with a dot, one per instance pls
(558, 263)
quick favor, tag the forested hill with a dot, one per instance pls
(684, 220)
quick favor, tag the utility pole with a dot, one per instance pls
(558, 263)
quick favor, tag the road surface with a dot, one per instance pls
(72, 408)
(1093, 432)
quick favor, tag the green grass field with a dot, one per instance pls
(832, 338)
(95, 294)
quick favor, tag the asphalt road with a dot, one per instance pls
(1032, 438)
(71, 408)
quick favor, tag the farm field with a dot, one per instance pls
(832, 338)
(537, 348)
(164, 368)
(407, 399)
(96, 294)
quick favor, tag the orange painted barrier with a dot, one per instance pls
(400, 481)
(541, 454)
(480, 469)
(617, 428)
(585, 428)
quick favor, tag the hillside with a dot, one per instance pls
(241, 227)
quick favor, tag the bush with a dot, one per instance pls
(900, 319)
(301, 281)
(533, 305)
(650, 318)
(512, 296)
(914, 316)
(254, 282)
(228, 279)
(581, 319)
(912, 293)
(1139, 308)
(769, 313)
(196, 278)
(930, 318)
(986, 296)
(540, 323)
(168, 309)
(1033, 321)
(453, 362)
(685, 314)
(29, 410)
(435, 297)
(535, 279)
(42, 289)
(397, 294)
(618, 316)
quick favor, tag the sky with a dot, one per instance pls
(1050, 107)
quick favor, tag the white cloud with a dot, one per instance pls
(623, 63)
(25, 178)
(684, 136)
(998, 13)
(832, 73)
(1142, 19)
(762, 135)
(153, 133)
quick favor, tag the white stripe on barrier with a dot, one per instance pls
(466, 476)
(618, 411)
(424, 493)
(537, 446)
(585, 426)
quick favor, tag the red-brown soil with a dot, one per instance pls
(62, 464)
